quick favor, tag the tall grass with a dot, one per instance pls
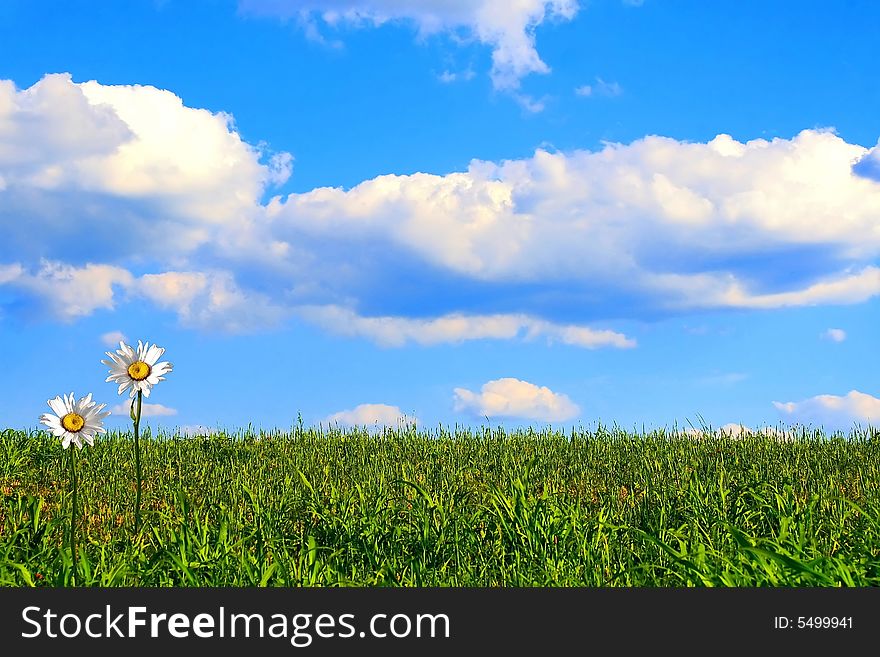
(447, 507)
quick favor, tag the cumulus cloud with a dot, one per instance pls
(868, 165)
(147, 410)
(835, 335)
(840, 289)
(210, 300)
(398, 331)
(66, 292)
(113, 338)
(512, 398)
(658, 225)
(370, 414)
(164, 202)
(190, 155)
(833, 410)
(130, 167)
(507, 27)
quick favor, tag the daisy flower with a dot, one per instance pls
(137, 369)
(75, 422)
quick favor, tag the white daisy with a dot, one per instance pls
(137, 369)
(75, 422)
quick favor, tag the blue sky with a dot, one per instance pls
(639, 213)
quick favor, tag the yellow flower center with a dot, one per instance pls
(72, 422)
(139, 370)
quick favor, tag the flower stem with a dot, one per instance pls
(137, 462)
(73, 512)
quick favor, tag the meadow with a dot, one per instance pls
(447, 507)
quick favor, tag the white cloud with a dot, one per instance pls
(835, 335)
(512, 398)
(841, 289)
(210, 300)
(868, 165)
(120, 170)
(674, 225)
(66, 292)
(115, 180)
(507, 27)
(398, 331)
(370, 414)
(447, 77)
(191, 155)
(834, 410)
(113, 338)
(529, 104)
(599, 88)
(735, 430)
(731, 429)
(147, 410)
(10, 273)
(193, 430)
(49, 126)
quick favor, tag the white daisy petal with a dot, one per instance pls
(153, 354)
(57, 406)
(56, 431)
(88, 409)
(126, 355)
(146, 353)
(50, 420)
(83, 404)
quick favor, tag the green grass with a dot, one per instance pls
(448, 507)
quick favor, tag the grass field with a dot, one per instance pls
(447, 507)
